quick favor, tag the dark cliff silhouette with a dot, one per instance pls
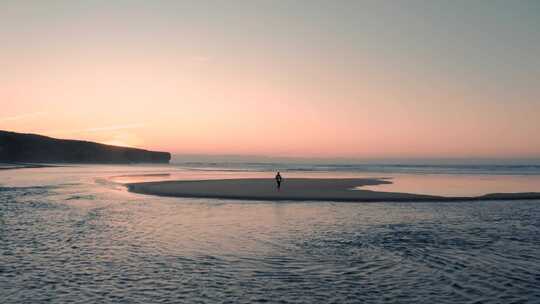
(32, 148)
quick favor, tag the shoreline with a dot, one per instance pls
(301, 189)
(13, 166)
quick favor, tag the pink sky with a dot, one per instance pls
(316, 86)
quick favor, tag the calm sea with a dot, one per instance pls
(75, 235)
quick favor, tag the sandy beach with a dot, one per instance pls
(297, 189)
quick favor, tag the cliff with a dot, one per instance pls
(32, 148)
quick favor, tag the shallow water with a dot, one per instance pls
(74, 235)
(458, 184)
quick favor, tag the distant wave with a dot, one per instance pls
(504, 169)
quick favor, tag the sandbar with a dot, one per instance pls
(298, 189)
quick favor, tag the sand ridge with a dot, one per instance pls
(297, 189)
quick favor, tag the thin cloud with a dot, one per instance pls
(116, 127)
(22, 116)
(100, 129)
(201, 59)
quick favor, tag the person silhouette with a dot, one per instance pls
(278, 180)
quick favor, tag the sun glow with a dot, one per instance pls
(118, 143)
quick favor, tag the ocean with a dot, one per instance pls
(73, 234)
(469, 167)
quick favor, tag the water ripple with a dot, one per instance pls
(75, 243)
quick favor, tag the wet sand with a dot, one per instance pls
(297, 189)
(11, 166)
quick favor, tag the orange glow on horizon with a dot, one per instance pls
(307, 86)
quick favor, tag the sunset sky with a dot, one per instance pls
(280, 78)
